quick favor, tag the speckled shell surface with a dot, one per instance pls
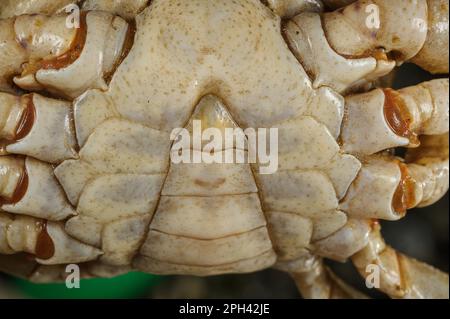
(209, 219)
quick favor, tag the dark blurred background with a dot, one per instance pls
(422, 234)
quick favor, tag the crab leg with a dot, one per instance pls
(47, 241)
(434, 54)
(421, 33)
(43, 52)
(10, 8)
(315, 281)
(125, 8)
(429, 169)
(351, 48)
(22, 42)
(25, 266)
(383, 119)
(37, 126)
(398, 119)
(28, 187)
(400, 276)
(386, 187)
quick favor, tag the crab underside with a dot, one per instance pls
(89, 101)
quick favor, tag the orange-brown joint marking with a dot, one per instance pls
(45, 248)
(398, 117)
(19, 192)
(27, 120)
(24, 125)
(67, 58)
(404, 196)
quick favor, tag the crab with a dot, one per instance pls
(86, 115)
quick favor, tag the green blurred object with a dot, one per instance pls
(132, 285)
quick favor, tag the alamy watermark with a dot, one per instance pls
(373, 273)
(73, 276)
(373, 21)
(228, 146)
